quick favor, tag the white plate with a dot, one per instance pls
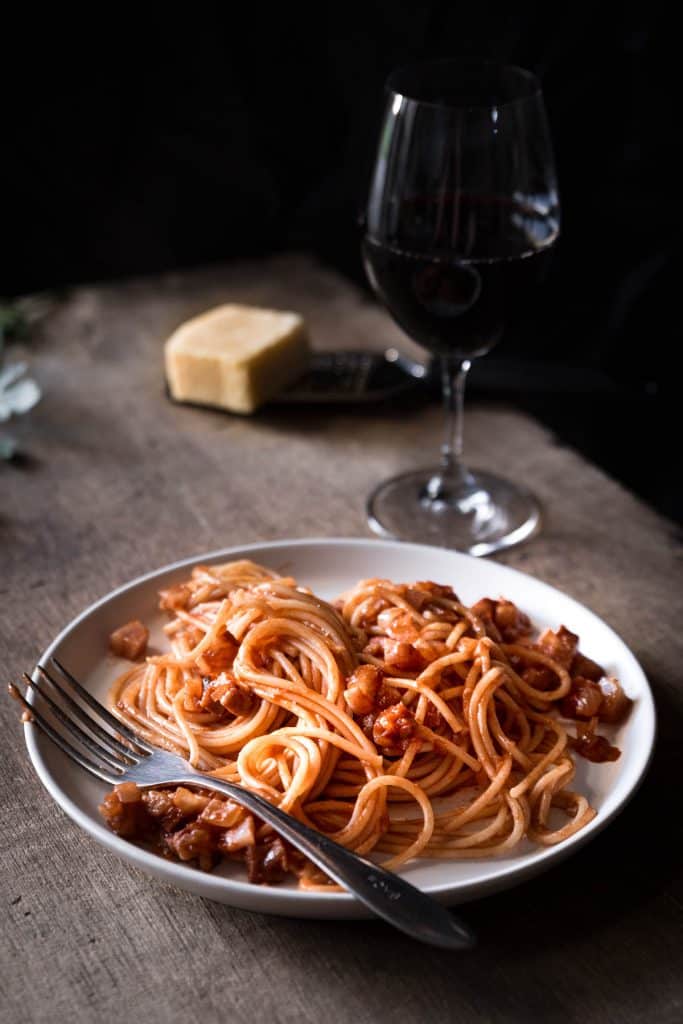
(329, 567)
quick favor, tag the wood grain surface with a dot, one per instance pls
(117, 481)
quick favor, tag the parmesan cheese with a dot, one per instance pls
(235, 357)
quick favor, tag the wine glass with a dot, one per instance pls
(461, 217)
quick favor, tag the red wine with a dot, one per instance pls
(439, 279)
(452, 306)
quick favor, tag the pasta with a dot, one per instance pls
(399, 721)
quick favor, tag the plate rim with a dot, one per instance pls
(292, 900)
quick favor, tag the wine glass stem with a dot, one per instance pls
(453, 377)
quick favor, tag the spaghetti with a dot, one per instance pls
(398, 721)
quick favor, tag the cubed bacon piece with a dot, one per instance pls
(128, 819)
(129, 641)
(174, 597)
(593, 747)
(512, 623)
(584, 700)
(384, 698)
(162, 809)
(398, 656)
(485, 609)
(194, 842)
(604, 700)
(267, 862)
(362, 687)
(240, 837)
(189, 802)
(560, 646)
(128, 792)
(221, 813)
(615, 704)
(399, 626)
(393, 729)
(226, 694)
(586, 668)
(503, 620)
(219, 657)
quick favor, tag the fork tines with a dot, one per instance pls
(109, 753)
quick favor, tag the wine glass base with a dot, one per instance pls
(480, 515)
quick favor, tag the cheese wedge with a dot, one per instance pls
(236, 357)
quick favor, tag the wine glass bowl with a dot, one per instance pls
(461, 218)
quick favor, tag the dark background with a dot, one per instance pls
(132, 148)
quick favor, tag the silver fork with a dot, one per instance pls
(117, 754)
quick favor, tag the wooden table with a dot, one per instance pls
(118, 481)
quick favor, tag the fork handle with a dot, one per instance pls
(386, 894)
